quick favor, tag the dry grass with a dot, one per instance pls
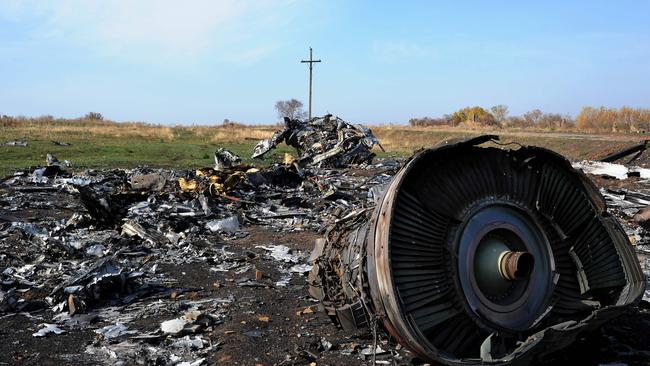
(407, 139)
(228, 133)
(57, 130)
(241, 134)
(403, 139)
(395, 138)
(128, 131)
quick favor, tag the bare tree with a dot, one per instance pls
(290, 108)
(533, 117)
(500, 112)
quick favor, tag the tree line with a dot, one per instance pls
(590, 119)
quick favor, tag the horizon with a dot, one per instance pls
(161, 62)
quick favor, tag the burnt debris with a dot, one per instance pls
(479, 255)
(100, 249)
(225, 159)
(637, 149)
(326, 141)
(164, 266)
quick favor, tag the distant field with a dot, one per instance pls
(108, 145)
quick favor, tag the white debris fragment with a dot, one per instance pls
(192, 363)
(173, 326)
(47, 329)
(37, 176)
(301, 268)
(97, 250)
(32, 230)
(16, 143)
(117, 351)
(617, 171)
(74, 181)
(368, 351)
(283, 282)
(227, 225)
(140, 209)
(114, 331)
(187, 342)
(281, 253)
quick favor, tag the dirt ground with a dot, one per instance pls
(269, 325)
(294, 328)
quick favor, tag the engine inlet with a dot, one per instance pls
(479, 255)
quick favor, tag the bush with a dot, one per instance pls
(94, 116)
(473, 116)
(624, 119)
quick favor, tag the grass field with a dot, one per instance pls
(110, 145)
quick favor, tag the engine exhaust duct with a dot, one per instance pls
(479, 255)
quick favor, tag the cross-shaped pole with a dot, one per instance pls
(310, 62)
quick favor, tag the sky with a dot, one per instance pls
(201, 61)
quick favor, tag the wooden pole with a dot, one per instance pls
(310, 62)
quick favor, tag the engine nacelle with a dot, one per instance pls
(479, 255)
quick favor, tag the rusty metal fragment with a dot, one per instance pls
(479, 255)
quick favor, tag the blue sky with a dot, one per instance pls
(198, 62)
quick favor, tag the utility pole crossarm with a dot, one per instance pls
(311, 62)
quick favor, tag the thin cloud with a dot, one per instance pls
(147, 29)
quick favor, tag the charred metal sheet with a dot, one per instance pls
(479, 255)
(225, 159)
(638, 149)
(323, 142)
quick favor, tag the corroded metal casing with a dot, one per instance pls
(435, 262)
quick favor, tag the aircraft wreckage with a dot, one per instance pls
(479, 255)
(463, 254)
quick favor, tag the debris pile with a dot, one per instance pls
(211, 265)
(327, 141)
(626, 189)
(102, 250)
(612, 170)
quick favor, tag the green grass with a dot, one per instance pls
(113, 153)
